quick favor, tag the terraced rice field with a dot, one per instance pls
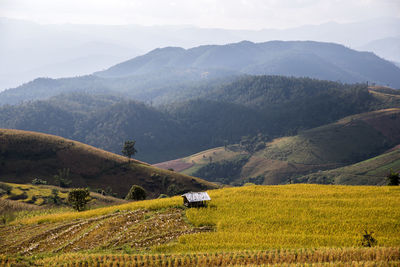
(139, 229)
(253, 225)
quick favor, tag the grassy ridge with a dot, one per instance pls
(345, 142)
(27, 155)
(371, 171)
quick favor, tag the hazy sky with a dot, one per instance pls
(233, 14)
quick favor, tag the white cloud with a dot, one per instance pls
(255, 14)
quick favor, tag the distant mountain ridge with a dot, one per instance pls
(165, 71)
(326, 61)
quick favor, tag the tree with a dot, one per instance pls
(129, 148)
(62, 178)
(393, 178)
(78, 198)
(136, 193)
(54, 197)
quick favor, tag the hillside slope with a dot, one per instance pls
(345, 142)
(30, 197)
(201, 118)
(27, 155)
(370, 171)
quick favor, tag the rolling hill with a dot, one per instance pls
(345, 142)
(370, 171)
(28, 155)
(201, 117)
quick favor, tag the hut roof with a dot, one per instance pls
(196, 196)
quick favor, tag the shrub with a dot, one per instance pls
(6, 188)
(368, 240)
(7, 217)
(37, 181)
(78, 198)
(393, 178)
(172, 190)
(54, 197)
(62, 178)
(162, 196)
(136, 193)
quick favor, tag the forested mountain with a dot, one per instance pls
(326, 61)
(272, 105)
(171, 71)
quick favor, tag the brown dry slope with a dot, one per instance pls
(27, 155)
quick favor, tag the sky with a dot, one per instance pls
(228, 14)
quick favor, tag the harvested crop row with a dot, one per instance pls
(320, 257)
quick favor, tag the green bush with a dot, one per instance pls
(78, 198)
(393, 178)
(62, 178)
(37, 181)
(172, 190)
(136, 193)
(6, 188)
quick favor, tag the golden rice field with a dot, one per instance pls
(294, 216)
(285, 224)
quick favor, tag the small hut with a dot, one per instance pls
(195, 199)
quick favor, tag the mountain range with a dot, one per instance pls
(175, 102)
(30, 50)
(173, 71)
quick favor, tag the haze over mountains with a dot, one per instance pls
(30, 50)
(171, 72)
(290, 58)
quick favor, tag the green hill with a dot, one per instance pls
(345, 142)
(28, 155)
(370, 171)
